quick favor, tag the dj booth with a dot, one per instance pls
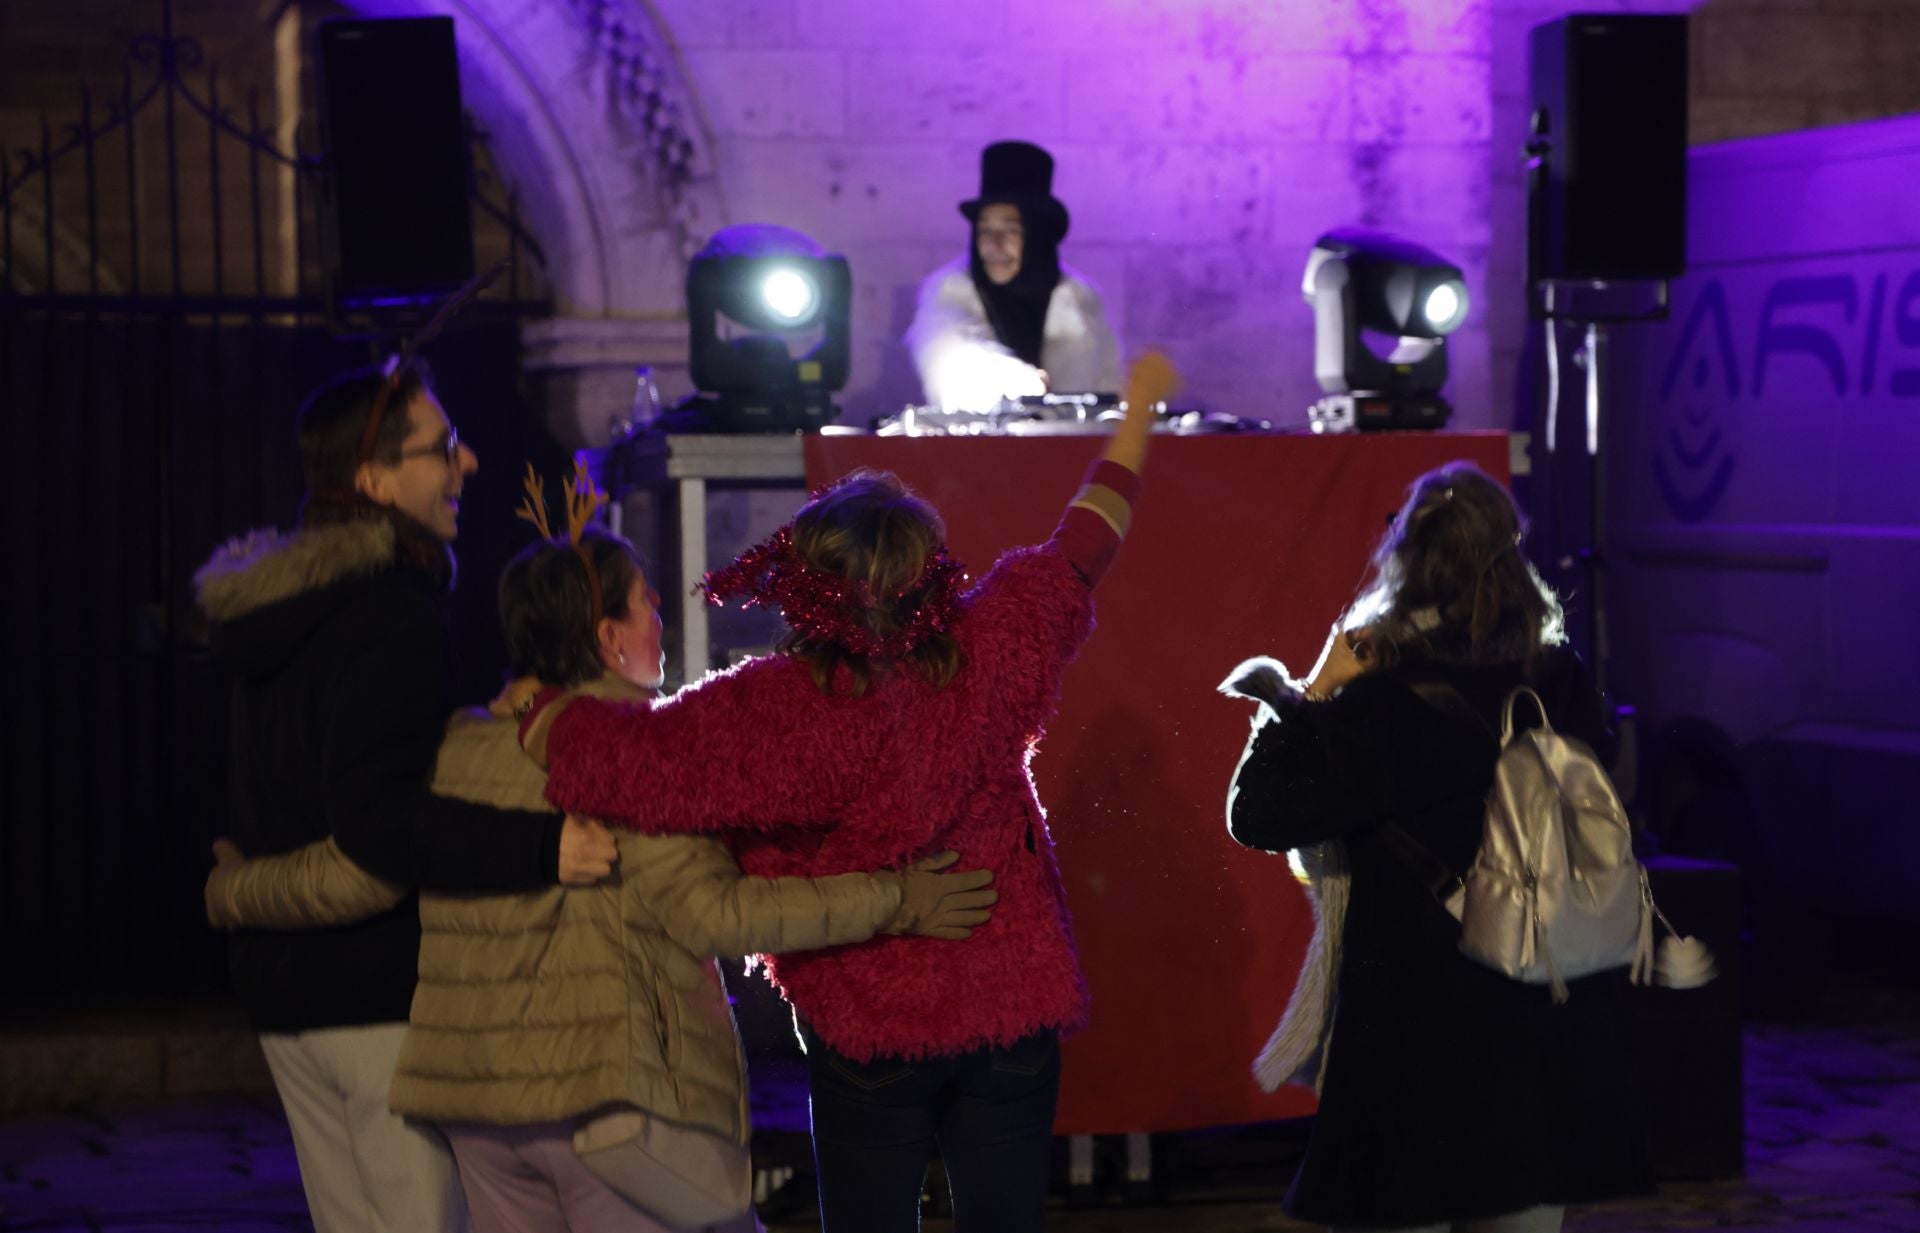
(1242, 544)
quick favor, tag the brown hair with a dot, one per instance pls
(332, 423)
(546, 605)
(1450, 581)
(871, 529)
(334, 418)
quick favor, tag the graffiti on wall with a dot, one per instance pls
(1812, 337)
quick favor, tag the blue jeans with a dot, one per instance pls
(990, 1112)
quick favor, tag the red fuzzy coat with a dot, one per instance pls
(806, 784)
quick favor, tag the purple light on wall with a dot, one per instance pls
(1769, 522)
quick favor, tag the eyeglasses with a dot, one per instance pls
(446, 448)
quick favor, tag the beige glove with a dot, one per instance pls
(942, 905)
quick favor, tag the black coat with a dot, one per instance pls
(1449, 1091)
(342, 682)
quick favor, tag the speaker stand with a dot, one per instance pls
(1592, 357)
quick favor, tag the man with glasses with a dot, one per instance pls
(337, 646)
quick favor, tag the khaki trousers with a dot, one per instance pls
(365, 1169)
(529, 1179)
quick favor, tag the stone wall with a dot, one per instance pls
(1757, 67)
(1202, 145)
(1774, 66)
(1201, 149)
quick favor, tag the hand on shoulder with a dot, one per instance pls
(1347, 656)
(514, 697)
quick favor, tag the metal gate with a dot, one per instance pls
(160, 317)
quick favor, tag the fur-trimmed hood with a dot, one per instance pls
(268, 566)
(267, 591)
(1261, 680)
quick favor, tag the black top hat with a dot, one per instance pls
(1019, 173)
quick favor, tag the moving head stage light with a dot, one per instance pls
(767, 316)
(1364, 282)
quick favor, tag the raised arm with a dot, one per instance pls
(1151, 380)
(307, 888)
(1032, 611)
(1097, 519)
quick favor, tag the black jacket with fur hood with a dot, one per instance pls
(342, 682)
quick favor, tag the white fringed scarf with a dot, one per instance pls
(1297, 1048)
(1295, 1051)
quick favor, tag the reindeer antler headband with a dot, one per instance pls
(584, 499)
(400, 361)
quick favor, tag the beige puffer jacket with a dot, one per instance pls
(556, 1003)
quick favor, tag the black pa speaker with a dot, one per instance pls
(395, 217)
(1607, 180)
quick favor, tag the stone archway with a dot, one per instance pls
(592, 120)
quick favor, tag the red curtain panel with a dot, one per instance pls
(1241, 545)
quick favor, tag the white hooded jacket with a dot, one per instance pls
(963, 367)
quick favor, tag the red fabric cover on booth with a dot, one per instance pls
(1241, 545)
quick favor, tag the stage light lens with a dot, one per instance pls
(1446, 307)
(788, 294)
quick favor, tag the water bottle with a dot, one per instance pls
(645, 409)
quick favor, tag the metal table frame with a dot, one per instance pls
(690, 462)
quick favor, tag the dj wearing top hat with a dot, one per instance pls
(1009, 320)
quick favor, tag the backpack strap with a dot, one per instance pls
(1443, 697)
(1441, 881)
(1506, 715)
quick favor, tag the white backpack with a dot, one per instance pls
(1554, 893)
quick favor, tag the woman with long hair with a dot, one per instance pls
(896, 719)
(1450, 1095)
